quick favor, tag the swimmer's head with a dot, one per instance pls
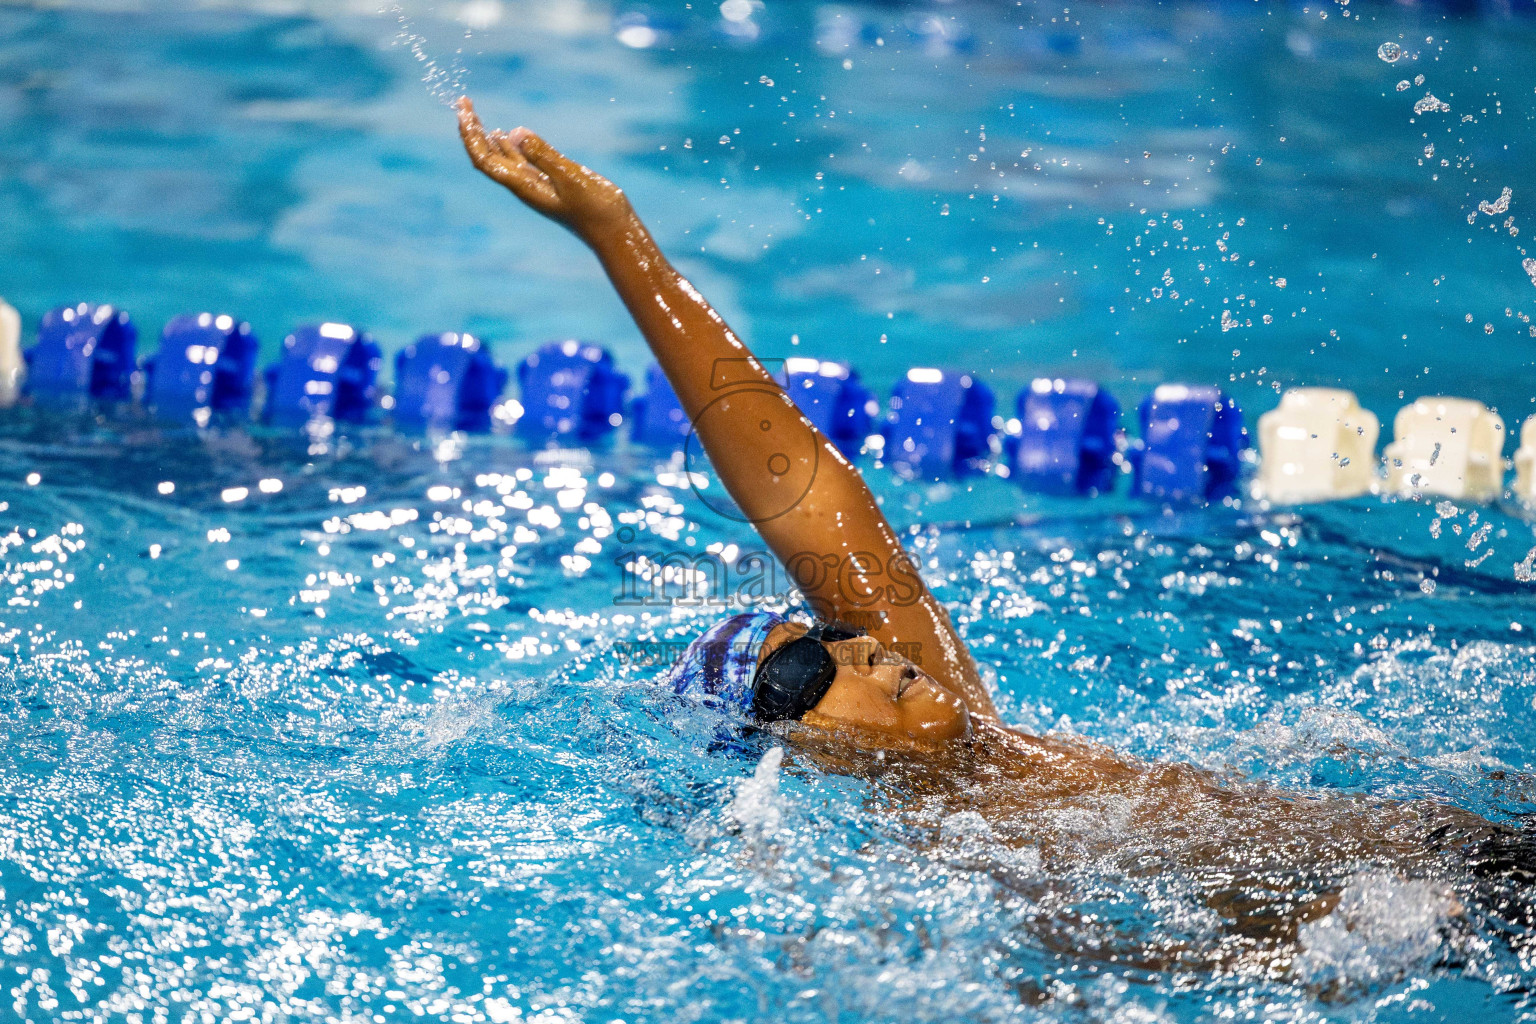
(719, 666)
(827, 676)
(833, 678)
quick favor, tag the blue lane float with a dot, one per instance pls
(1191, 447)
(939, 423)
(1069, 437)
(206, 366)
(831, 396)
(570, 390)
(657, 418)
(446, 381)
(326, 370)
(83, 352)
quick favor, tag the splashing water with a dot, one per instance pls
(444, 79)
(758, 807)
(1497, 206)
(1431, 104)
(1383, 928)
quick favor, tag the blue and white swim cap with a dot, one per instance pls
(718, 667)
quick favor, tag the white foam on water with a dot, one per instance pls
(758, 806)
(449, 723)
(1119, 1002)
(1383, 928)
(964, 825)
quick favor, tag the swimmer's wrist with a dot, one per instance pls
(616, 238)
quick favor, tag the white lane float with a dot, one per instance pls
(1447, 446)
(11, 362)
(1318, 445)
(1525, 462)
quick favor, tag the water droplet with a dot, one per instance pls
(1404, 85)
(725, 140)
(1430, 105)
(1499, 205)
(1389, 52)
(1427, 585)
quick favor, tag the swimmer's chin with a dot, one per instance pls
(934, 712)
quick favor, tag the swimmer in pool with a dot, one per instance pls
(833, 680)
(1265, 860)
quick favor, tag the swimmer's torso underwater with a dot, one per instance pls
(877, 682)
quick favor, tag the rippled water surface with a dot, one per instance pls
(350, 730)
(368, 745)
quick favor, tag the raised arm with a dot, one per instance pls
(810, 505)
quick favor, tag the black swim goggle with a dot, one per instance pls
(797, 675)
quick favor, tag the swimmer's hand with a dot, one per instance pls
(538, 174)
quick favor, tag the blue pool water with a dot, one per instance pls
(365, 746)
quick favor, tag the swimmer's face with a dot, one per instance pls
(879, 692)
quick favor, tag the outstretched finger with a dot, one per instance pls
(508, 166)
(527, 181)
(473, 134)
(507, 145)
(544, 156)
